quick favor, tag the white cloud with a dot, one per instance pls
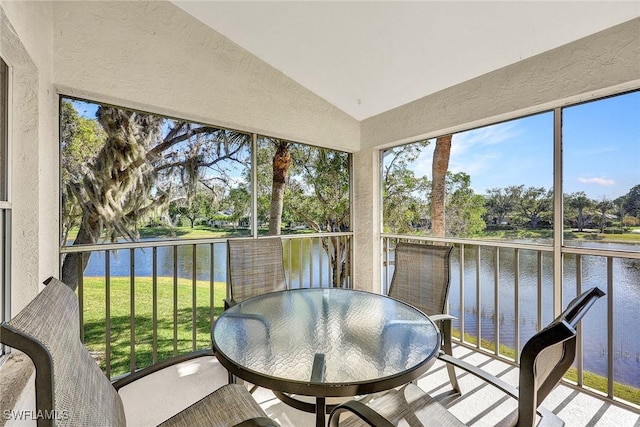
(422, 165)
(466, 154)
(598, 181)
(489, 135)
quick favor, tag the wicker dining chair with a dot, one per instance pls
(255, 267)
(544, 360)
(421, 278)
(71, 390)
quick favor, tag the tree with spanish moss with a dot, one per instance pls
(133, 174)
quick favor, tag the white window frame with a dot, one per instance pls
(5, 203)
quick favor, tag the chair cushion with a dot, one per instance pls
(407, 406)
(227, 406)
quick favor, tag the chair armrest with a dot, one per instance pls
(250, 316)
(474, 370)
(258, 422)
(435, 318)
(122, 381)
(361, 410)
(439, 317)
(445, 324)
(548, 418)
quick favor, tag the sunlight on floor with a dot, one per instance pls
(480, 405)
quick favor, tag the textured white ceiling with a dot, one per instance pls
(366, 57)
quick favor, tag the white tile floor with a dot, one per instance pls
(153, 399)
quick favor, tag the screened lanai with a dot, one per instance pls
(358, 78)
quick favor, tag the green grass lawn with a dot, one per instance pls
(568, 235)
(548, 234)
(599, 237)
(95, 325)
(197, 232)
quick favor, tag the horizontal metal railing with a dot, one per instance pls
(502, 293)
(141, 302)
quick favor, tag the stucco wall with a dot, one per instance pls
(154, 56)
(26, 45)
(366, 220)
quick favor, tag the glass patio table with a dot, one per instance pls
(324, 343)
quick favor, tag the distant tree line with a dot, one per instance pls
(407, 199)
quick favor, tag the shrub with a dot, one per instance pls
(613, 230)
(630, 221)
(499, 227)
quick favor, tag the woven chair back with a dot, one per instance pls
(71, 390)
(255, 267)
(421, 276)
(548, 355)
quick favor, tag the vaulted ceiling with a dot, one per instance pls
(367, 57)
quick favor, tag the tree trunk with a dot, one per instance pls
(338, 249)
(438, 185)
(281, 165)
(336, 263)
(88, 234)
(580, 220)
(501, 216)
(534, 222)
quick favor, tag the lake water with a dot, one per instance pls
(309, 267)
(626, 303)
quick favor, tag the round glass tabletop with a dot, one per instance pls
(325, 342)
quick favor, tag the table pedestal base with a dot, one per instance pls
(320, 408)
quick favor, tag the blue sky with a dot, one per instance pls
(601, 150)
(85, 109)
(602, 146)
